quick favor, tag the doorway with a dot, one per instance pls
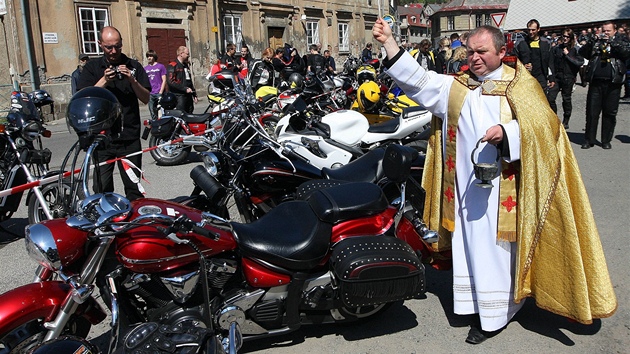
(165, 43)
(275, 37)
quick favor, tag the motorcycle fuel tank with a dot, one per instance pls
(346, 126)
(270, 176)
(147, 250)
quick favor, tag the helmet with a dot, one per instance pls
(92, 110)
(366, 72)
(168, 101)
(296, 80)
(368, 95)
(41, 98)
(66, 344)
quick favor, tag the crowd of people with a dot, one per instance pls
(599, 55)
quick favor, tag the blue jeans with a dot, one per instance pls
(153, 103)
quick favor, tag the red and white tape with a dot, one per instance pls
(44, 181)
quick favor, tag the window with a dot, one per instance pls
(312, 32)
(488, 20)
(91, 21)
(478, 20)
(232, 26)
(413, 19)
(344, 37)
(450, 23)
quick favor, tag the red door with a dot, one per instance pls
(165, 43)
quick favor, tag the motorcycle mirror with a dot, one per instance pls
(299, 105)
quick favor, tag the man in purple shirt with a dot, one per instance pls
(157, 77)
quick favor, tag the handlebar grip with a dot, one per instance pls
(206, 233)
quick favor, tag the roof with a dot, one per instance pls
(402, 11)
(558, 13)
(465, 5)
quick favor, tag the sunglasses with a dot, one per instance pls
(110, 47)
(566, 36)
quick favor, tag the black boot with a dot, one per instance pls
(565, 122)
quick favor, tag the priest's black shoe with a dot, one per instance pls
(476, 335)
(606, 146)
(587, 145)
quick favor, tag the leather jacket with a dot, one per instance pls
(617, 50)
(177, 78)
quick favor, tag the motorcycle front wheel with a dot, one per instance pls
(56, 199)
(27, 336)
(270, 124)
(168, 155)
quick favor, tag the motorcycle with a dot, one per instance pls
(334, 139)
(176, 133)
(23, 159)
(174, 277)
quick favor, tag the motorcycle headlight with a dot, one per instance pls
(41, 246)
(31, 130)
(211, 163)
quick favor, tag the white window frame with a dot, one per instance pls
(343, 31)
(488, 20)
(89, 36)
(312, 32)
(450, 23)
(233, 29)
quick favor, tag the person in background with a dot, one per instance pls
(535, 53)
(331, 68)
(457, 60)
(316, 63)
(229, 60)
(567, 63)
(157, 77)
(442, 55)
(262, 71)
(425, 56)
(366, 55)
(127, 80)
(246, 60)
(180, 81)
(455, 42)
(74, 78)
(534, 227)
(607, 55)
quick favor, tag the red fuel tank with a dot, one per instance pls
(147, 250)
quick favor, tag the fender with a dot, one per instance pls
(41, 300)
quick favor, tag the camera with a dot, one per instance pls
(119, 75)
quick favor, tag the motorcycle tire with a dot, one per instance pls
(25, 337)
(55, 201)
(360, 313)
(169, 155)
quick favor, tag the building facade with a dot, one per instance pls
(459, 16)
(44, 39)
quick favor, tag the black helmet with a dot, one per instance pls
(66, 344)
(41, 98)
(168, 101)
(296, 80)
(92, 110)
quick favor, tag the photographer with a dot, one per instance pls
(567, 63)
(607, 54)
(128, 81)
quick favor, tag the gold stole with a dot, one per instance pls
(510, 172)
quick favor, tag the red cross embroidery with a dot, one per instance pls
(510, 171)
(509, 203)
(451, 133)
(450, 163)
(449, 194)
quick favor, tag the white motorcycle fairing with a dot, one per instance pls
(413, 119)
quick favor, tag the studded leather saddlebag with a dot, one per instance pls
(374, 270)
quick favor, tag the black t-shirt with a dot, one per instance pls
(317, 63)
(129, 127)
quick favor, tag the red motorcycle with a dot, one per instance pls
(175, 277)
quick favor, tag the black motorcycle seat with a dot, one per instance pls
(196, 118)
(290, 236)
(347, 201)
(386, 127)
(367, 168)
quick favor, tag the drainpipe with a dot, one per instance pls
(29, 46)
